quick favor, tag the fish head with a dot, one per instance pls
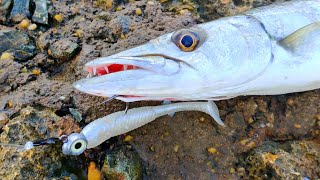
(189, 64)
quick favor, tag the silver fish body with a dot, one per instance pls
(266, 51)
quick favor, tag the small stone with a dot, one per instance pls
(76, 114)
(119, 8)
(251, 144)
(138, 11)
(163, 1)
(128, 138)
(212, 150)
(62, 98)
(104, 15)
(202, 119)
(250, 120)
(184, 12)
(58, 17)
(6, 56)
(20, 10)
(298, 126)
(36, 72)
(152, 148)
(78, 33)
(122, 163)
(290, 102)
(3, 119)
(176, 148)
(40, 14)
(32, 27)
(109, 4)
(232, 170)
(244, 142)
(24, 70)
(24, 24)
(241, 170)
(10, 104)
(63, 49)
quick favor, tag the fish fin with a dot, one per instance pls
(214, 112)
(303, 42)
(165, 102)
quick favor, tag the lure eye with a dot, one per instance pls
(75, 144)
(186, 40)
(78, 146)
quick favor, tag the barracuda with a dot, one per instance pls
(265, 51)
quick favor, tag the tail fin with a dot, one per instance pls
(213, 111)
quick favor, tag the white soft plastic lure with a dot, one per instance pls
(118, 123)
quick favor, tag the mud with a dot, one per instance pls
(189, 145)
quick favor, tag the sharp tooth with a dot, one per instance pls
(89, 75)
(107, 69)
(125, 67)
(94, 71)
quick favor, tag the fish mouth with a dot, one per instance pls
(151, 62)
(123, 76)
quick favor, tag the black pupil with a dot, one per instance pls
(78, 145)
(187, 41)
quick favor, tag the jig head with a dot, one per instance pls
(74, 144)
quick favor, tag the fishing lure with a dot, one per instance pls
(119, 122)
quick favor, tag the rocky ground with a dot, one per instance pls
(43, 51)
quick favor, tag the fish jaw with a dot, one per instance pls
(146, 72)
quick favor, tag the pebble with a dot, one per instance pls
(36, 72)
(58, 17)
(32, 27)
(63, 49)
(128, 138)
(6, 56)
(232, 170)
(298, 126)
(212, 150)
(176, 148)
(3, 119)
(105, 16)
(24, 24)
(138, 11)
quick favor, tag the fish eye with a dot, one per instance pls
(186, 40)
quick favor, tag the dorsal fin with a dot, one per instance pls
(303, 42)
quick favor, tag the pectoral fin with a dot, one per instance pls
(303, 42)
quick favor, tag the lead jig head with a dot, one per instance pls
(75, 144)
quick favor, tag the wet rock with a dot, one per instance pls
(104, 15)
(122, 163)
(4, 4)
(291, 160)
(119, 26)
(20, 10)
(3, 119)
(40, 14)
(10, 76)
(4, 7)
(46, 162)
(44, 40)
(76, 114)
(64, 49)
(18, 43)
